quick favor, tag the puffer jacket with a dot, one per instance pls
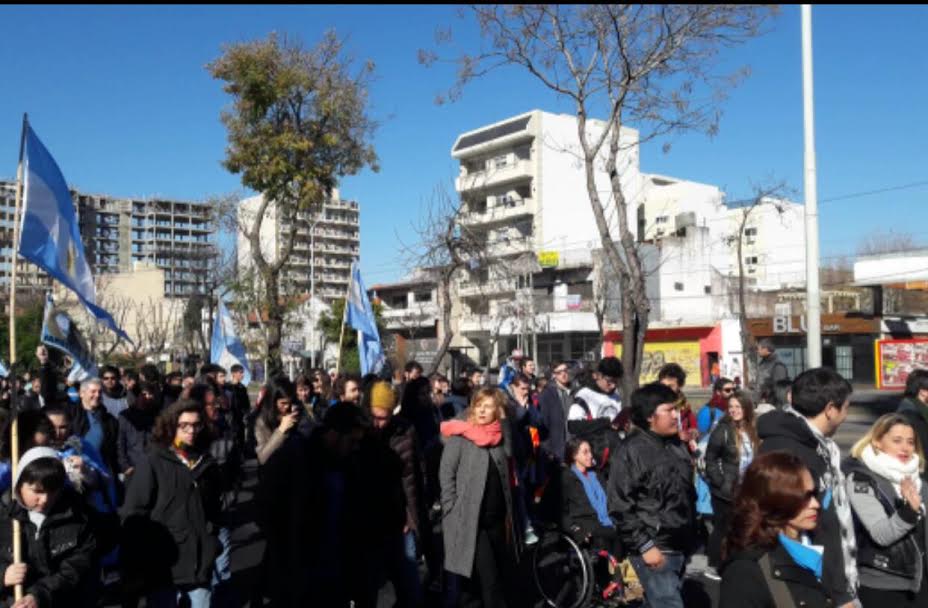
(722, 460)
(745, 585)
(401, 437)
(168, 516)
(651, 494)
(61, 557)
(891, 537)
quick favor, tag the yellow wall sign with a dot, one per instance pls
(549, 259)
(656, 354)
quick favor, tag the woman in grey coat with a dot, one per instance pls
(481, 544)
(888, 498)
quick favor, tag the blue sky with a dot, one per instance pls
(120, 96)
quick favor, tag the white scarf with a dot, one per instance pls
(892, 468)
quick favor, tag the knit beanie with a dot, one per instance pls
(382, 397)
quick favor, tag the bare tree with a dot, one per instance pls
(764, 197)
(878, 242)
(647, 65)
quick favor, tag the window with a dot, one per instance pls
(424, 296)
(750, 260)
(500, 161)
(661, 219)
(750, 232)
(678, 286)
(708, 290)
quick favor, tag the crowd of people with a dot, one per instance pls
(443, 487)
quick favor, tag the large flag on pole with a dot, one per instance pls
(49, 234)
(360, 315)
(59, 331)
(226, 349)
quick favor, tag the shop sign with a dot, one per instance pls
(780, 325)
(896, 359)
(785, 325)
(549, 259)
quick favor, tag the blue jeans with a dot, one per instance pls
(222, 569)
(170, 598)
(406, 578)
(662, 587)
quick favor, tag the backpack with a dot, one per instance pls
(703, 442)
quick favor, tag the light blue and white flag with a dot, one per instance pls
(49, 235)
(226, 349)
(360, 315)
(4, 372)
(59, 331)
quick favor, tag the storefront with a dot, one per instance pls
(698, 350)
(847, 343)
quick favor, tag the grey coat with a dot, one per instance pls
(463, 478)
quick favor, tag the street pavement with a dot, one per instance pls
(866, 406)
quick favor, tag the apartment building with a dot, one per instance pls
(327, 241)
(523, 192)
(175, 236)
(30, 280)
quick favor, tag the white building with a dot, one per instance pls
(327, 241)
(523, 187)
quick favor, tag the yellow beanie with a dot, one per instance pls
(382, 396)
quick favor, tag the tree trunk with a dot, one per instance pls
(444, 289)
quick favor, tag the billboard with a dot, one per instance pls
(895, 359)
(656, 354)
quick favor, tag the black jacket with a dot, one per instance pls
(400, 436)
(167, 517)
(48, 376)
(62, 560)
(780, 431)
(745, 586)
(651, 494)
(135, 426)
(912, 409)
(80, 425)
(520, 419)
(554, 416)
(578, 517)
(722, 460)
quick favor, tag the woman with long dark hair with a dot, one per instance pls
(888, 497)
(481, 542)
(278, 418)
(169, 511)
(729, 453)
(770, 561)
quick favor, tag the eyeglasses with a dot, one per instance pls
(190, 426)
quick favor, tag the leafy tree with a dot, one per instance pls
(28, 330)
(299, 122)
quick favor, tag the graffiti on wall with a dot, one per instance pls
(656, 354)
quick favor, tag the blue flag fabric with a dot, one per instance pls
(49, 235)
(360, 315)
(59, 331)
(226, 349)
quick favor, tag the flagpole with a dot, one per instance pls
(341, 337)
(14, 431)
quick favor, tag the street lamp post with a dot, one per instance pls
(312, 293)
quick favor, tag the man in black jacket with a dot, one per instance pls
(91, 422)
(914, 406)
(820, 404)
(652, 498)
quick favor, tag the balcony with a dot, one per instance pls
(420, 315)
(510, 246)
(499, 213)
(474, 288)
(495, 176)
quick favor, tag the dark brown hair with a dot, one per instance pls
(769, 496)
(748, 423)
(166, 424)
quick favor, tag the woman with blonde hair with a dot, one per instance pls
(481, 542)
(888, 498)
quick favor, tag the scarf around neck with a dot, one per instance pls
(892, 469)
(832, 482)
(804, 553)
(595, 494)
(482, 435)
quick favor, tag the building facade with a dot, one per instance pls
(327, 241)
(118, 233)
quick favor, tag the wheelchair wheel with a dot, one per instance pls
(563, 573)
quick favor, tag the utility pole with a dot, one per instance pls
(813, 298)
(312, 293)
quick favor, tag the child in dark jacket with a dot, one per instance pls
(58, 544)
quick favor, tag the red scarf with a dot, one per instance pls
(482, 435)
(719, 402)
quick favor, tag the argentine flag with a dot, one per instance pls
(49, 235)
(225, 347)
(360, 315)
